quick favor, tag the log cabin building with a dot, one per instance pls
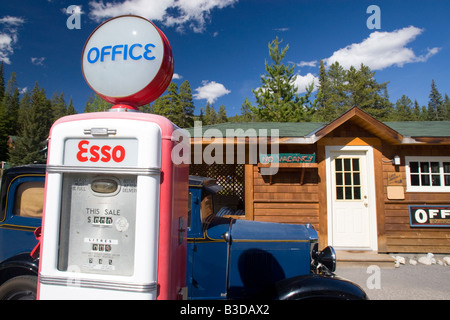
(363, 184)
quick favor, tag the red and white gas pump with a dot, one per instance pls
(115, 202)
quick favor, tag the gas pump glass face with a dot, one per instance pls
(97, 233)
(104, 186)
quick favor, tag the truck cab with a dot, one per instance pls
(232, 258)
(22, 195)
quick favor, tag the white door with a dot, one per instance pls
(351, 199)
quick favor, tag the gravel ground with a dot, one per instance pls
(407, 282)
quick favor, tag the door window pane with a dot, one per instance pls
(338, 164)
(339, 193)
(348, 178)
(434, 167)
(446, 166)
(347, 166)
(424, 167)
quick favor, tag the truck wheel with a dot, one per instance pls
(19, 288)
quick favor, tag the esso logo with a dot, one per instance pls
(128, 60)
(95, 153)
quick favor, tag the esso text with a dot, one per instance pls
(135, 51)
(95, 153)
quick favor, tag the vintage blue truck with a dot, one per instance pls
(232, 258)
(22, 195)
(227, 258)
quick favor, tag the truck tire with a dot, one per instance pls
(19, 288)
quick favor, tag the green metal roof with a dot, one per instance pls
(304, 129)
(421, 128)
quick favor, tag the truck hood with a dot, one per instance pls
(268, 231)
(258, 231)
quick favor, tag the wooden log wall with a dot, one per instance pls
(400, 236)
(285, 197)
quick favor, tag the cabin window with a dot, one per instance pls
(428, 174)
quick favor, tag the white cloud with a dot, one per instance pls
(302, 82)
(9, 36)
(5, 48)
(281, 29)
(307, 64)
(38, 61)
(73, 9)
(381, 50)
(12, 21)
(154, 10)
(179, 13)
(176, 76)
(210, 91)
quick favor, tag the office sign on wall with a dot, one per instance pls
(429, 216)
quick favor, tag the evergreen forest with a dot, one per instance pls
(26, 117)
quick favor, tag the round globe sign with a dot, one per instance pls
(127, 60)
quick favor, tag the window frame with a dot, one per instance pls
(430, 188)
(10, 218)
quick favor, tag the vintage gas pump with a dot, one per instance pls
(116, 204)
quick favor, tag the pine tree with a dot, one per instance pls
(322, 96)
(11, 102)
(70, 108)
(447, 107)
(364, 92)
(34, 131)
(436, 108)
(187, 105)
(331, 100)
(2, 82)
(59, 107)
(246, 112)
(201, 117)
(277, 98)
(3, 133)
(169, 105)
(148, 108)
(209, 116)
(222, 114)
(96, 104)
(416, 114)
(9, 107)
(403, 110)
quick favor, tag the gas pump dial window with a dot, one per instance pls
(98, 217)
(105, 186)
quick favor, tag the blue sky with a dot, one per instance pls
(220, 46)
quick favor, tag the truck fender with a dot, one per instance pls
(315, 286)
(18, 265)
